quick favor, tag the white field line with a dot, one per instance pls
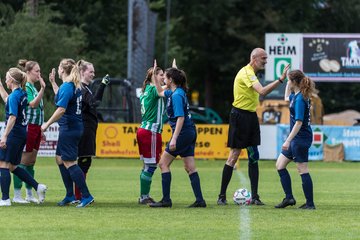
(244, 213)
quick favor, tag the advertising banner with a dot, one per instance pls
(47, 148)
(119, 140)
(331, 57)
(332, 135)
(282, 49)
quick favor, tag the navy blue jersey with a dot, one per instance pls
(300, 110)
(177, 106)
(69, 98)
(16, 106)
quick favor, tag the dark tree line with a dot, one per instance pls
(210, 39)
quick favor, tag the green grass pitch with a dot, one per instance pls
(116, 214)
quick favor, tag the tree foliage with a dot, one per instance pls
(213, 40)
(37, 38)
(210, 39)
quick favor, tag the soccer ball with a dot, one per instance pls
(242, 197)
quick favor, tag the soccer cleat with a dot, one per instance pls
(305, 206)
(41, 190)
(19, 200)
(286, 202)
(257, 202)
(198, 204)
(145, 201)
(31, 199)
(67, 200)
(161, 204)
(85, 202)
(221, 200)
(5, 203)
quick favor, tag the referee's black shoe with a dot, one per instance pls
(198, 204)
(305, 206)
(257, 201)
(222, 200)
(161, 204)
(286, 202)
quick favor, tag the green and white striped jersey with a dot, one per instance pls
(152, 110)
(34, 115)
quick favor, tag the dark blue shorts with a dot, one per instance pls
(13, 151)
(185, 143)
(67, 146)
(298, 151)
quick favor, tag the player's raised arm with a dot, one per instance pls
(4, 95)
(158, 86)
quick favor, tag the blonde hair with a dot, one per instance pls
(18, 76)
(71, 70)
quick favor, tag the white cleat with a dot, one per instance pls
(32, 199)
(5, 203)
(19, 200)
(41, 190)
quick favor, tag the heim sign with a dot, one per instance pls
(322, 57)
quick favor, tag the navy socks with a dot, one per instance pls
(195, 184)
(286, 183)
(25, 177)
(307, 188)
(166, 182)
(68, 183)
(78, 178)
(5, 180)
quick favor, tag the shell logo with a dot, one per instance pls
(111, 132)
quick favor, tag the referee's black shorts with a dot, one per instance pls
(244, 129)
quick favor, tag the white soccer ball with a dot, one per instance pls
(242, 197)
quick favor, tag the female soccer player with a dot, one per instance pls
(13, 139)
(296, 146)
(35, 116)
(148, 134)
(183, 136)
(90, 100)
(68, 114)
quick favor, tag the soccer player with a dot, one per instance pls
(244, 128)
(299, 89)
(68, 114)
(183, 137)
(35, 116)
(13, 139)
(148, 134)
(90, 100)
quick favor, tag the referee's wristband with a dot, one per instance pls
(281, 81)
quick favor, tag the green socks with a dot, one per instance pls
(18, 182)
(145, 183)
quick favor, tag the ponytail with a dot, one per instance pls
(305, 84)
(71, 70)
(178, 76)
(307, 87)
(75, 76)
(18, 76)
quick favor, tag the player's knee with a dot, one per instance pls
(302, 168)
(162, 165)
(150, 168)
